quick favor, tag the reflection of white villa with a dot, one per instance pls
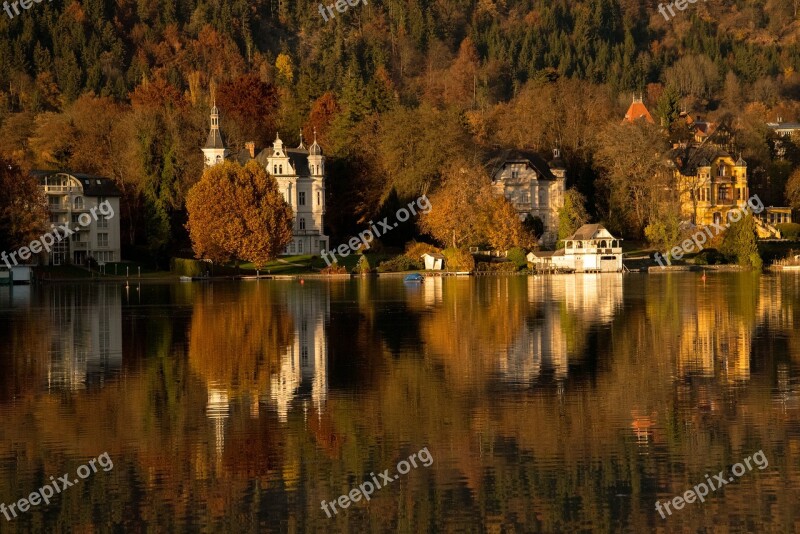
(217, 410)
(86, 342)
(570, 306)
(304, 364)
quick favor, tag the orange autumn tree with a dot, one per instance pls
(465, 212)
(238, 213)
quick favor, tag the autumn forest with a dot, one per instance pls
(398, 91)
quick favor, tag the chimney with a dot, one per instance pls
(251, 148)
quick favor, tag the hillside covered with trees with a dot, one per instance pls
(397, 91)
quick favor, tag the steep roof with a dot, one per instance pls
(93, 186)
(590, 231)
(687, 159)
(638, 110)
(214, 139)
(499, 158)
(297, 156)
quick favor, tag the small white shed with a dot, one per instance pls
(433, 261)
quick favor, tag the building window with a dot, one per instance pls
(280, 169)
(299, 247)
(77, 237)
(301, 198)
(78, 203)
(319, 198)
(54, 202)
(723, 193)
(302, 223)
(219, 159)
(514, 175)
(55, 218)
(526, 197)
(102, 222)
(102, 240)
(274, 169)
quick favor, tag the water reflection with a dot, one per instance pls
(551, 404)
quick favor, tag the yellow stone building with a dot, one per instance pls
(710, 183)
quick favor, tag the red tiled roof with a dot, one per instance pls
(638, 110)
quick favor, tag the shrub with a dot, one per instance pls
(363, 266)
(415, 250)
(185, 267)
(497, 267)
(709, 256)
(334, 268)
(399, 264)
(458, 260)
(516, 256)
(789, 230)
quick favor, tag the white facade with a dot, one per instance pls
(301, 178)
(300, 173)
(534, 187)
(75, 200)
(591, 248)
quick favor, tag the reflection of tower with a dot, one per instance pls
(86, 344)
(217, 410)
(304, 364)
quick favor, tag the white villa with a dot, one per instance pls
(591, 248)
(71, 197)
(534, 186)
(300, 173)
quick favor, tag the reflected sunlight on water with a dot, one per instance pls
(549, 404)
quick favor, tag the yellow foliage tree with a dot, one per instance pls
(284, 65)
(238, 213)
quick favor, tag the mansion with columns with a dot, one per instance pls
(300, 173)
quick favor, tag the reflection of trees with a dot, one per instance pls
(236, 340)
(524, 459)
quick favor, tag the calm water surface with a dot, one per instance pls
(548, 404)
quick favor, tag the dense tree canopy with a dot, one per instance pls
(238, 213)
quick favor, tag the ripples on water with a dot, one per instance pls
(549, 404)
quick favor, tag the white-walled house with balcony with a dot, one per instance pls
(591, 248)
(70, 195)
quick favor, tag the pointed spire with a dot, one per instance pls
(302, 146)
(214, 135)
(315, 149)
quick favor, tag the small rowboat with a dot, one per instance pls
(414, 277)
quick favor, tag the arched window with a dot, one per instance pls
(219, 159)
(319, 198)
(603, 244)
(280, 169)
(274, 169)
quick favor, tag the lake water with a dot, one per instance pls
(567, 403)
